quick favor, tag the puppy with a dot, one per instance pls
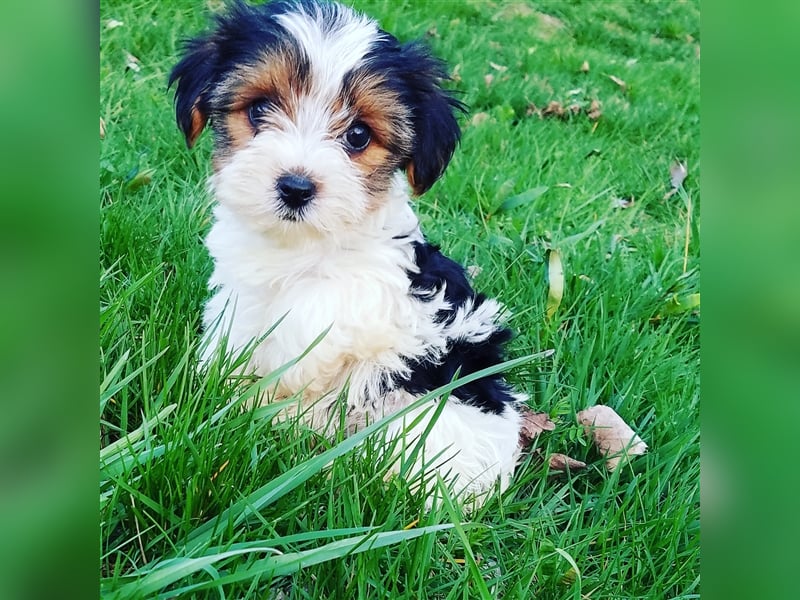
(323, 127)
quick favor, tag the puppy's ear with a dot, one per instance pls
(436, 131)
(195, 73)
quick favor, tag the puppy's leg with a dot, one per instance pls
(469, 448)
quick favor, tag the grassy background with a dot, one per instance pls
(617, 337)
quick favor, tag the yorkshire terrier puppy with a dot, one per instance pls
(323, 126)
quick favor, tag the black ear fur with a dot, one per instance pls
(195, 73)
(433, 116)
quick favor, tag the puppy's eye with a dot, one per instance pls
(257, 110)
(357, 137)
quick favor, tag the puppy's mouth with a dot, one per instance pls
(291, 216)
(294, 193)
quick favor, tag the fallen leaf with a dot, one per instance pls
(623, 86)
(131, 62)
(677, 174)
(488, 79)
(585, 66)
(562, 462)
(624, 202)
(113, 24)
(612, 436)
(553, 108)
(497, 67)
(594, 111)
(555, 277)
(102, 128)
(532, 110)
(532, 425)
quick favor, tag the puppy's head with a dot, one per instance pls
(314, 109)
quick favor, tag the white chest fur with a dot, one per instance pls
(355, 288)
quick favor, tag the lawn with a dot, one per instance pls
(578, 112)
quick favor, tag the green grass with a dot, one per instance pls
(242, 505)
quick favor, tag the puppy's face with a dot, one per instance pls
(314, 109)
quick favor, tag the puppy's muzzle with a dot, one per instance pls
(295, 191)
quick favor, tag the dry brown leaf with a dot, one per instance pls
(497, 67)
(102, 128)
(131, 62)
(532, 425)
(623, 86)
(624, 202)
(612, 436)
(585, 66)
(677, 175)
(562, 462)
(488, 79)
(553, 108)
(532, 110)
(594, 111)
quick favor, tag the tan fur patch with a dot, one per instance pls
(410, 177)
(277, 76)
(198, 124)
(369, 100)
(381, 109)
(238, 132)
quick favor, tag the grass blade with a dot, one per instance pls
(127, 442)
(273, 566)
(521, 199)
(469, 556)
(286, 482)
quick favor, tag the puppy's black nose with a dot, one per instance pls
(295, 190)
